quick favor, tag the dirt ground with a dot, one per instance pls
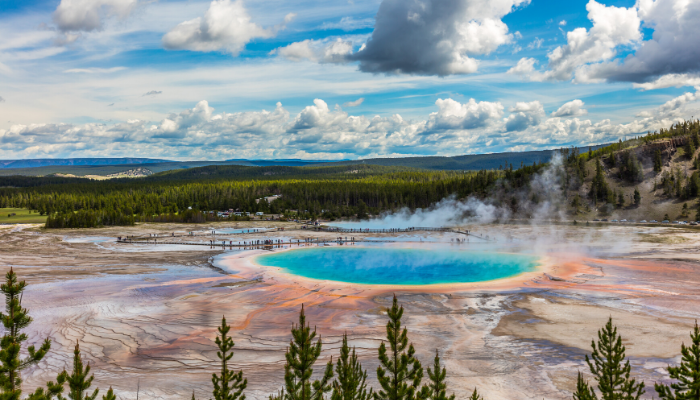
(145, 315)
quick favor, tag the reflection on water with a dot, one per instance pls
(398, 266)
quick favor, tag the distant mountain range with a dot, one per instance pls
(48, 162)
(108, 166)
(45, 162)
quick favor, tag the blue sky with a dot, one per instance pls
(339, 80)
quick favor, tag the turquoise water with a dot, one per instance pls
(391, 266)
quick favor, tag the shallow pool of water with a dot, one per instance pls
(397, 266)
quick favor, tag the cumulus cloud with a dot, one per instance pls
(670, 57)
(434, 37)
(320, 131)
(470, 115)
(562, 22)
(354, 103)
(673, 107)
(89, 15)
(612, 27)
(524, 115)
(225, 26)
(526, 68)
(152, 93)
(672, 50)
(321, 51)
(573, 108)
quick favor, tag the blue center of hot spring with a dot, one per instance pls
(386, 266)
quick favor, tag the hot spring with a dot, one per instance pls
(399, 266)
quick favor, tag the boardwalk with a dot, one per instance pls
(154, 239)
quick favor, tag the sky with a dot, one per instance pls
(343, 79)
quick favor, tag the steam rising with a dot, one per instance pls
(542, 200)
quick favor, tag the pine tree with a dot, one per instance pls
(53, 390)
(476, 396)
(606, 365)
(583, 391)
(437, 385)
(658, 162)
(687, 374)
(399, 372)
(78, 380)
(111, 396)
(229, 385)
(350, 382)
(637, 197)
(14, 319)
(690, 149)
(301, 356)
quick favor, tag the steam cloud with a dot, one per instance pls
(542, 200)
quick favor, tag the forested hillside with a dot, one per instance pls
(655, 176)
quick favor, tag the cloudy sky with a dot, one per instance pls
(339, 79)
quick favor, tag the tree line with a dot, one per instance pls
(400, 374)
(84, 204)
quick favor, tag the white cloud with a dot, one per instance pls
(319, 131)
(321, 51)
(670, 57)
(524, 115)
(562, 22)
(88, 15)
(574, 108)
(673, 107)
(672, 50)
(535, 44)
(670, 80)
(94, 70)
(225, 26)
(354, 103)
(612, 27)
(434, 37)
(526, 68)
(349, 24)
(153, 93)
(470, 115)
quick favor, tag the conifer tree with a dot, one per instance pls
(476, 396)
(606, 364)
(658, 161)
(111, 396)
(687, 374)
(350, 382)
(80, 380)
(637, 197)
(301, 356)
(437, 385)
(399, 372)
(52, 389)
(689, 149)
(15, 319)
(229, 385)
(583, 391)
